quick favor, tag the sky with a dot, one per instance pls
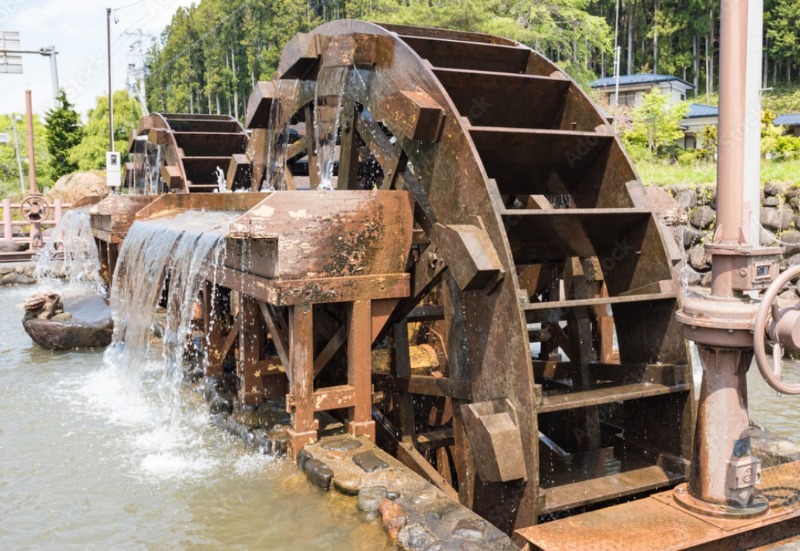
(77, 28)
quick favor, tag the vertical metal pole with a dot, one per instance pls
(34, 189)
(14, 120)
(752, 135)
(54, 75)
(730, 175)
(8, 231)
(110, 95)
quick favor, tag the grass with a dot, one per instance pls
(653, 173)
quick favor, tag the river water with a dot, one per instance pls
(88, 463)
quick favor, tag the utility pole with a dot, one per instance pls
(139, 68)
(110, 94)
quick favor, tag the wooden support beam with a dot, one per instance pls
(304, 426)
(333, 346)
(411, 458)
(278, 334)
(359, 369)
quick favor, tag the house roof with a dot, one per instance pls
(699, 110)
(791, 119)
(643, 78)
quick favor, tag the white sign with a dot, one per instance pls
(5, 138)
(113, 169)
(10, 63)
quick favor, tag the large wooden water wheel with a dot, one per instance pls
(536, 367)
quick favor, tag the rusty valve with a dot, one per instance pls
(34, 208)
(783, 330)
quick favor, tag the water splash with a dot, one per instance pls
(71, 253)
(163, 261)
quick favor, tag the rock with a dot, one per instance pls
(261, 441)
(17, 278)
(689, 276)
(771, 202)
(394, 517)
(767, 238)
(319, 473)
(699, 259)
(341, 444)
(72, 187)
(218, 405)
(8, 246)
(369, 462)
(370, 498)
(347, 484)
(280, 440)
(89, 327)
(791, 241)
(793, 260)
(794, 201)
(691, 236)
(415, 537)
(773, 450)
(702, 217)
(772, 189)
(686, 198)
(777, 218)
(470, 529)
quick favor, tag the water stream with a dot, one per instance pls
(91, 461)
(328, 102)
(70, 254)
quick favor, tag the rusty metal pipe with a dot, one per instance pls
(34, 189)
(720, 446)
(730, 171)
(730, 175)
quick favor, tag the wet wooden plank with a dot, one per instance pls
(458, 54)
(572, 400)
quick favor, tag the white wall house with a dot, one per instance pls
(632, 88)
(695, 123)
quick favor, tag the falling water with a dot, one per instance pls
(171, 255)
(278, 142)
(328, 100)
(222, 184)
(71, 253)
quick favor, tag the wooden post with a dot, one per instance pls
(300, 401)
(359, 369)
(251, 346)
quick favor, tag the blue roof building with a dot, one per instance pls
(633, 87)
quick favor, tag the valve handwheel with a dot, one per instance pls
(34, 208)
(771, 370)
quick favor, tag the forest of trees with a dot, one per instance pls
(210, 56)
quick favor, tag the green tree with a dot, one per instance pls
(9, 172)
(655, 124)
(90, 153)
(63, 133)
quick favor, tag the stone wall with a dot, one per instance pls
(696, 216)
(17, 273)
